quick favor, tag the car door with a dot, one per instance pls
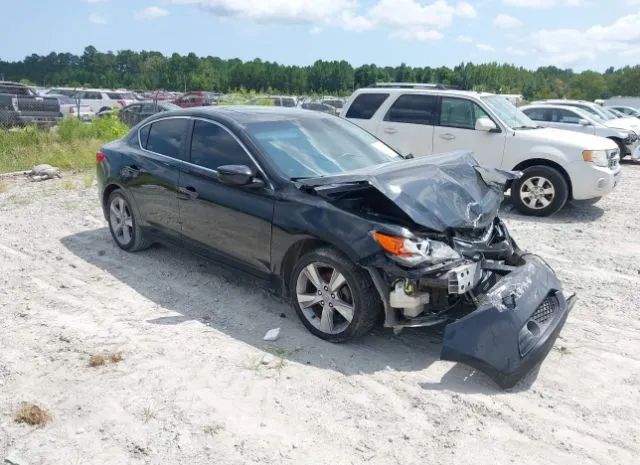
(408, 124)
(146, 110)
(569, 120)
(152, 173)
(129, 115)
(229, 221)
(457, 131)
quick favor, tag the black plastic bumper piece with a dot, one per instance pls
(515, 325)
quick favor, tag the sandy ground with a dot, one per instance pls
(199, 385)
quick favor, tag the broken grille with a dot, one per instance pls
(545, 310)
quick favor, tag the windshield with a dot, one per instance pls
(307, 147)
(508, 113)
(611, 114)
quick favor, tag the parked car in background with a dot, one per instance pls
(20, 106)
(100, 100)
(597, 111)
(556, 165)
(68, 91)
(283, 101)
(69, 107)
(575, 119)
(337, 103)
(319, 106)
(628, 111)
(197, 99)
(136, 112)
(310, 203)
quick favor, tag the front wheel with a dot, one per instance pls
(334, 298)
(541, 191)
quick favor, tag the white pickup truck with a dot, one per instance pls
(557, 165)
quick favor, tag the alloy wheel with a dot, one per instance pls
(537, 192)
(121, 220)
(325, 297)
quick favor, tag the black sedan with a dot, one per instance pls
(346, 228)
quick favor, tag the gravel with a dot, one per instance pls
(198, 385)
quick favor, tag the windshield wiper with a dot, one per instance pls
(525, 127)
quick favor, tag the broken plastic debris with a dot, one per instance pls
(272, 334)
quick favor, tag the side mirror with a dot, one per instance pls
(485, 124)
(235, 175)
(584, 122)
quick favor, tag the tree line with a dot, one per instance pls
(148, 70)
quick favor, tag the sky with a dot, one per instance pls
(578, 34)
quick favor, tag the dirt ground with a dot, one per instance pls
(197, 384)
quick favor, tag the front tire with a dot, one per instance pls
(123, 223)
(335, 299)
(541, 191)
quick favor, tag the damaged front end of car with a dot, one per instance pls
(444, 258)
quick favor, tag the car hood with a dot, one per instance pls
(624, 123)
(562, 137)
(439, 192)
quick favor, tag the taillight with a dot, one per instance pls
(72, 109)
(122, 103)
(100, 156)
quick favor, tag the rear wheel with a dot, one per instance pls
(123, 224)
(334, 298)
(541, 191)
(621, 147)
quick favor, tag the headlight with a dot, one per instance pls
(597, 157)
(413, 252)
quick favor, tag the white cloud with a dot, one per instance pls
(567, 47)
(150, 12)
(95, 18)
(485, 47)
(507, 22)
(405, 19)
(464, 39)
(543, 3)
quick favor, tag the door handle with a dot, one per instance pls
(390, 130)
(187, 193)
(447, 136)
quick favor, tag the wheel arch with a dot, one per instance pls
(293, 254)
(551, 164)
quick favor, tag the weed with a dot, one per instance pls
(213, 429)
(33, 415)
(563, 350)
(88, 181)
(148, 414)
(68, 185)
(3, 187)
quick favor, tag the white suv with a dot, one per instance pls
(576, 119)
(557, 165)
(100, 100)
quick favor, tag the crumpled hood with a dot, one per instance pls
(438, 192)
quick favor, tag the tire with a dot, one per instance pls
(548, 187)
(357, 291)
(125, 229)
(621, 147)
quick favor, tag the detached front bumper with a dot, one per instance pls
(515, 325)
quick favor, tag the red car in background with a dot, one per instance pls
(197, 99)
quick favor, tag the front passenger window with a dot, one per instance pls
(213, 146)
(460, 113)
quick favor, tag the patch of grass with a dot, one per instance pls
(213, 429)
(3, 187)
(87, 181)
(68, 185)
(97, 360)
(148, 414)
(33, 415)
(72, 145)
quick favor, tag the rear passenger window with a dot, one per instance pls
(167, 136)
(415, 109)
(212, 146)
(365, 105)
(144, 135)
(566, 116)
(460, 113)
(114, 96)
(92, 96)
(538, 114)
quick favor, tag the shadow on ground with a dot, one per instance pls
(575, 211)
(241, 307)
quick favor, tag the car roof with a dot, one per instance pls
(246, 114)
(404, 90)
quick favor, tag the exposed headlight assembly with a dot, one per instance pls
(412, 251)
